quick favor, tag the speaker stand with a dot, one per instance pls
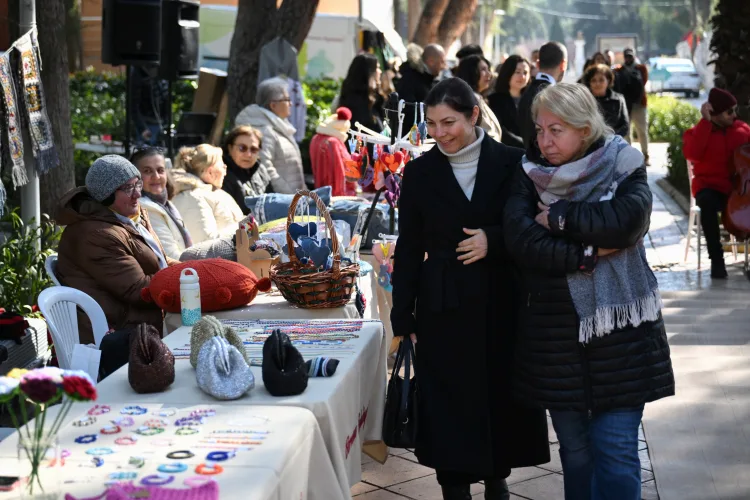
(170, 142)
(126, 142)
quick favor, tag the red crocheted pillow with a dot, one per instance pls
(224, 285)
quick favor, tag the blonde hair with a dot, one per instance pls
(574, 104)
(196, 160)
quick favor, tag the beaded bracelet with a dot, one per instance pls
(133, 410)
(136, 462)
(180, 455)
(165, 412)
(111, 429)
(86, 439)
(209, 470)
(149, 431)
(186, 431)
(99, 410)
(219, 456)
(122, 476)
(157, 480)
(84, 421)
(203, 413)
(126, 440)
(124, 421)
(156, 422)
(99, 451)
(188, 421)
(237, 431)
(172, 468)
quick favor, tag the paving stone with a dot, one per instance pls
(396, 470)
(646, 476)
(427, 488)
(366, 459)
(649, 492)
(554, 465)
(549, 487)
(380, 495)
(361, 488)
(525, 474)
(645, 460)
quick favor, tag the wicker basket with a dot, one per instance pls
(307, 287)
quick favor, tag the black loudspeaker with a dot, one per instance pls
(131, 32)
(180, 26)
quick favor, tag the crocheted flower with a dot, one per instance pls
(79, 388)
(7, 388)
(38, 387)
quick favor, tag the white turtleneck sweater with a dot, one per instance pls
(464, 163)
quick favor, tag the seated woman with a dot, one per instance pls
(108, 249)
(209, 212)
(158, 188)
(246, 174)
(591, 348)
(475, 70)
(280, 151)
(600, 79)
(509, 86)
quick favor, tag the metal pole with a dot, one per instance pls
(30, 209)
(170, 144)
(126, 142)
(361, 19)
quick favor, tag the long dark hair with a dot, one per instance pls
(454, 93)
(357, 82)
(507, 70)
(468, 70)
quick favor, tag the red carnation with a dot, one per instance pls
(79, 388)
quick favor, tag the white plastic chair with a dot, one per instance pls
(50, 265)
(694, 220)
(58, 305)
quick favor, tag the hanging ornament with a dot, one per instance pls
(352, 142)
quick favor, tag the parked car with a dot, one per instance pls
(671, 74)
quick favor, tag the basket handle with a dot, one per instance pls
(322, 210)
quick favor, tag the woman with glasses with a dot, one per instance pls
(158, 189)
(280, 152)
(246, 174)
(209, 211)
(108, 249)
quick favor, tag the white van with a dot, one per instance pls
(328, 50)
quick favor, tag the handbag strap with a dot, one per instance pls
(222, 354)
(399, 360)
(408, 348)
(143, 343)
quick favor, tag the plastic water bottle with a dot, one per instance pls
(190, 297)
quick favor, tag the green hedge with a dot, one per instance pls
(669, 117)
(319, 95)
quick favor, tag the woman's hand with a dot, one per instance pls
(413, 338)
(543, 216)
(606, 251)
(473, 248)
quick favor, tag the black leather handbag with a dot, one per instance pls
(400, 418)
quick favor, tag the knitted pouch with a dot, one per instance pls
(207, 328)
(151, 364)
(284, 369)
(222, 372)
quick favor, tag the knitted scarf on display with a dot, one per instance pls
(15, 142)
(622, 291)
(40, 129)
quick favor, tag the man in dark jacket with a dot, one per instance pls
(632, 78)
(417, 78)
(553, 61)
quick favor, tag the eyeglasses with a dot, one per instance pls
(289, 100)
(244, 148)
(129, 189)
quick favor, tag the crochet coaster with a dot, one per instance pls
(11, 121)
(40, 129)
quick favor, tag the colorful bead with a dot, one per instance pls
(85, 421)
(172, 468)
(99, 451)
(126, 441)
(156, 422)
(209, 470)
(111, 429)
(122, 476)
(149, 431)
(133, 410)
(124, 421)
(86, 439)
(157, 480)
(219, 456)
(186, 431)
(99, 410)
(165, 412)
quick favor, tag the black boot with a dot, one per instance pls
(718, 269)
(496, 489)
(462, 492)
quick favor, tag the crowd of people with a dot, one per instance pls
(533, 285)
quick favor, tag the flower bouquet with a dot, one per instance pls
(42, 388)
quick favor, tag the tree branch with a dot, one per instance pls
(429, 22)
(455, 19)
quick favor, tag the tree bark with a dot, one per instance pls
(414, 8)
(73, 35)
(429, 22)
(259, 22)
(455, 19)
(54, 51)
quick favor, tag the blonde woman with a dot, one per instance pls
(592, 348)
(208, 211)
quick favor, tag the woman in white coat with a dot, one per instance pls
(158, 188)
(209, 212)
(280, 154)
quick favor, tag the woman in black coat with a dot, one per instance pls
(359, 92)
(600, 80)
(592, 346)
(460, 302)
(511, 81)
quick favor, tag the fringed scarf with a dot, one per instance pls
(15, 141)
(622, 291)
(40, 129)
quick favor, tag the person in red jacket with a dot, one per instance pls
(328, 154)
(710, 146)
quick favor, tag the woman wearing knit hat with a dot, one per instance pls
(328, 154)
(108, 248)
(209, 212)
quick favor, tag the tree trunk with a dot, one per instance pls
(455, 19)
(730, 39)
(429, 22)
(259, 22)
(414, 8)
(54, 51)
(73, 35)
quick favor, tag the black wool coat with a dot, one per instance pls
(464, 317)
(615, 112)
(525, 121)
(624, 369)
(505, 110)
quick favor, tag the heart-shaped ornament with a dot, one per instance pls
(317, 251)
(296, 230)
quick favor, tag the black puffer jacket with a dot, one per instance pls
(615, 112)
(623, 369)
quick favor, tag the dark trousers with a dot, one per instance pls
(452, 478)
(712, 203)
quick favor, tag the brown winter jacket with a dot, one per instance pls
(106, 259)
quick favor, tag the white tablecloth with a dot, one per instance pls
(273, 306)
(348, 406)
(290, 463)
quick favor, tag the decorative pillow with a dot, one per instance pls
(268, 207)
(224, 285)
(220, 248)
(348, 211)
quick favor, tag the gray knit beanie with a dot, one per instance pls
(107, 174)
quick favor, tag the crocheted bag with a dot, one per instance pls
(224, 285)
(151, 366)
(207, 328)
